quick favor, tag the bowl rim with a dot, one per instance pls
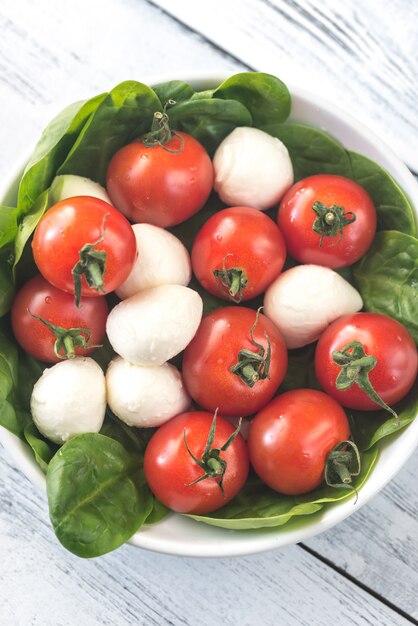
(253, 541)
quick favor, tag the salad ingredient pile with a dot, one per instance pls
(191, 314)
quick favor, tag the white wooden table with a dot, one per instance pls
(363, 55)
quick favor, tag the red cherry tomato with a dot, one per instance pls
(327, 220)
(390, 369)
(153, 185)
(229, 364)
(173, 475)
(85, 325)
(290, 439)
(88, 234)
(238, 253)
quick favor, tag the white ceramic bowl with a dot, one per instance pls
(182, 536)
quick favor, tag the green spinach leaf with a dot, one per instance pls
(177, 90)
(258, 506)
(394, 210)
(28, 224)
(7, 287)
(97, 495)
(127, 436)
(187, 231)
(300, 372)
(8, 225)
(42, 448)
(51, 150)
(125, 113)
(12, 416)
(8, 230)
(29, 371)
(369, 427)
(387, 278)
(159, 512)
(265, 96)
(311, 150)
(209, 120)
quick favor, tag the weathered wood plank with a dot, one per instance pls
(363, 56)
(43, 584)
(50, 58)
(47, 59)
(379, 544)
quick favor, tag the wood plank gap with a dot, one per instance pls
(214, 45)
(359, 584)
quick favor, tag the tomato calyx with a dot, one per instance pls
(91, 265)
(331, 220)
(211, 462)
(161, 133)
(355, 367)
(67, 339)
(342, 463)
(233, 280)
(253, 366)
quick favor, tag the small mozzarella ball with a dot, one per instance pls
(154, 325)
(304, 300)
(68, 186)
(69, 399)
(162, 260)
(145, 396)
(252, 168)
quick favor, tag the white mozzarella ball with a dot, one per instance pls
(145, 396)
(304, 300)
(69, 185)
(162, 260)
(154, 325)
(69, 399)
(252, 168)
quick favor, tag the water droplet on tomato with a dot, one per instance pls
(219, 237)
(48, 300)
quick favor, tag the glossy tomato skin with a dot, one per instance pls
(291, 437)
(58, 308)
(296, 218)
(169, 468)
(155, 186)
(67, 227)
(239, 237)
(382, 337)
(213, 351)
